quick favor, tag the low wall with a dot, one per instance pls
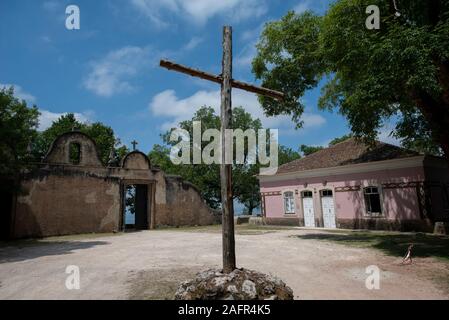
(386, 224)
(294, 221)
(368, 224)
(184, 206)
(66, 204)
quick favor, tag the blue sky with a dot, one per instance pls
(108, 70)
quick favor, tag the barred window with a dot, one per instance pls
(326, 193)
(289, 202)
(307, 194)
(372, 200)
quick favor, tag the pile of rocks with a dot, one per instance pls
(241, 284)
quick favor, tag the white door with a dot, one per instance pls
(327, 204)
(309, 214)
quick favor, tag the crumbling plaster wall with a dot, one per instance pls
(59, 198)
(184, 205)
(71, 203)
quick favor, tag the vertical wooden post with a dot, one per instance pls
(226, 169)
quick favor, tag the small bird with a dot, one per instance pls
(408, 256)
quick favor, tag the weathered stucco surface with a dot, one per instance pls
(411, 198)
(183, 205)
(65, 204)
(59, 197)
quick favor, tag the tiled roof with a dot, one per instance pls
(347, 152)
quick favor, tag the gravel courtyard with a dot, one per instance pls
(150, 265)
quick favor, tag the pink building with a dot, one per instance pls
(349, 185)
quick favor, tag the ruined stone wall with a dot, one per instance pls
(184, 206)
(59, 197)
(67, 203)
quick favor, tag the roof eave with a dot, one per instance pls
(399, 163)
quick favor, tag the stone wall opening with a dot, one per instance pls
(75, 153)
(6, 200)
(136, 213)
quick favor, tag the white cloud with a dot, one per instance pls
(319, 6)
(199, 11)
(51, 5)
(385, 135)
(110, 75)
(252, 34)
(46, 118)
(46, 39)
(168, 105)
(193, 43)
(246, 56)
(249, 51)
(312, 120)
(20, 93)
(304, 5)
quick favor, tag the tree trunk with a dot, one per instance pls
(436, 112)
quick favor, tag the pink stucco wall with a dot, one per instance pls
(401, 203)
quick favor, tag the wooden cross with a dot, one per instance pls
(134, 143)
(227, 82)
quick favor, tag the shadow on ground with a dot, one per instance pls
(158, 284)
(425, 245)
(32, 249)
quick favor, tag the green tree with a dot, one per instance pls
(64, 123)
(18, 128)
(119, 152)
(207, 177)
(287, 154)
(306, 150)
(104, 139)
(102, 135)
(340, 139)
(400, 70)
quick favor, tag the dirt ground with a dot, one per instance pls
(151, 264)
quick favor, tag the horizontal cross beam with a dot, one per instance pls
(218, 79)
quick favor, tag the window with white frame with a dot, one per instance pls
(372, 200)
(289, 202)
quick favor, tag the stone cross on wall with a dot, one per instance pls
(134, 143)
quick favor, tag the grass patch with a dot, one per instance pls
(391, 243)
